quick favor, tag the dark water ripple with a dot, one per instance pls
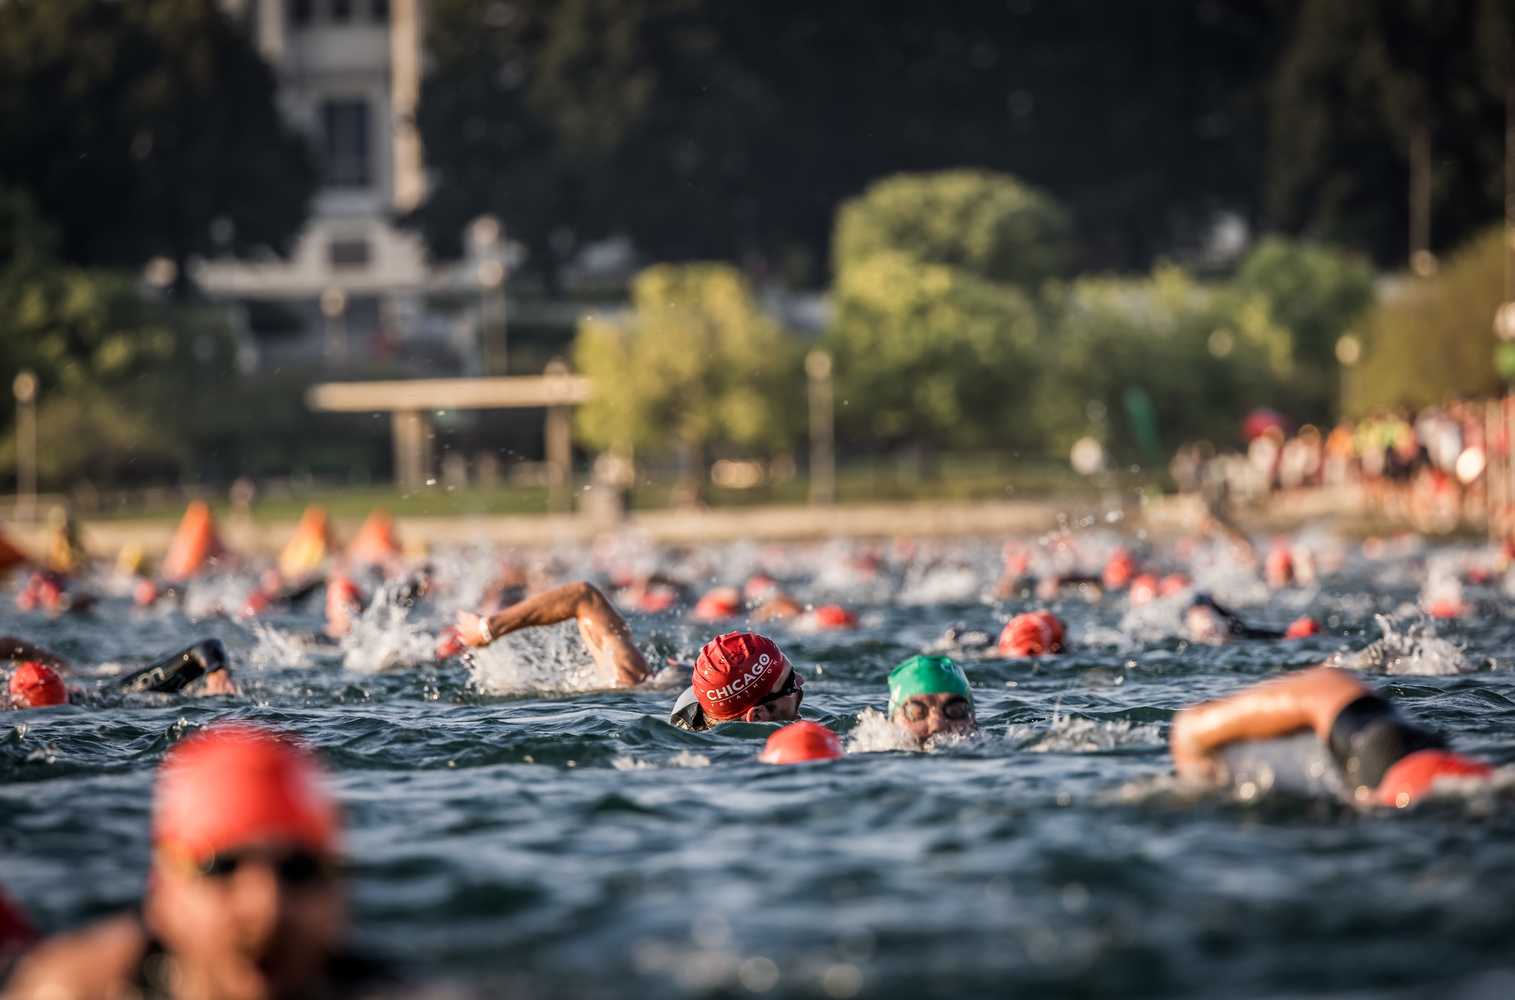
(577, 845)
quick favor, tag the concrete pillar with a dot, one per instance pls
(271, 31)
(405, 57)
(412, 448)
(559, 449)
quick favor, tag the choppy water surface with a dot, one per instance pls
(505, 837)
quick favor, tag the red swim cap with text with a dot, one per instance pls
(735, 671)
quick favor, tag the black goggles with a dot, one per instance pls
(294, 869)
(956, 709)
(794, 685)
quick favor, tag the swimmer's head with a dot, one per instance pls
(36, 685)
(833, 616)
(930, 695)
(1118, 570)
(343, 601)
(244, 892)
(1031, 633)
(1413, 776)
(1204, 621)
(1302, 628)
(722, 602)
(743, 675)
(800, 743)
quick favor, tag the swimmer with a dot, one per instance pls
(1206, 620)
(245, 897)
(204, 662)
(739, 677)
(604, 631)
(1032, 633)
(1381, 757)
(16, 934)
(930, 695)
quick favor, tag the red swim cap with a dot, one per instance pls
(36, 685)
(236, 785)
(1446, 607)
(1028, 634)
(1278, 565)
(1055, 628)
(833, 616)
(1144, 589)
(1302, 627)
(1119, 570)
(722, 602)
(736, 671)
(1172, 584)
(1412, 776)
(800, 742)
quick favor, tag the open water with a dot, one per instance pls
(514, 832)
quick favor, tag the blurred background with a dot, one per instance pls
(770, 251)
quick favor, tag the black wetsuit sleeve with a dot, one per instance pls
(177, 670)
(1369, 737)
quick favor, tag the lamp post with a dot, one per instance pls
(822, 428)
(334, 308)
(25, 388)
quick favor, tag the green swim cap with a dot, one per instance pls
(926, 675)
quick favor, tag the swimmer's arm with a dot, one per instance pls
(14, 649)
(98, 961)
(604, 631)
(1307, 700)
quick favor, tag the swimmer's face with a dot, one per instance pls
(251, 923)
(783, 704)
(218, 682)
(925, 715)
(1204, 625)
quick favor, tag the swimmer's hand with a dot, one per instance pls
(471, 629)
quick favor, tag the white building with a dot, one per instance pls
(354, 288)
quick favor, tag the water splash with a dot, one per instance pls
(551, 659)
(874, 733)
(1414, 649)
(1075, 734)
(274, 648)
(383, 637)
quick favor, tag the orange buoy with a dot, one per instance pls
(309, 546)
(375, 543)
(195, 543)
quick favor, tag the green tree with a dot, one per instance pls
(1316, 292)
(1204, 354)
(989, 225)
(1427, 341)
(146, 128)
(697, 366)
(930, 354)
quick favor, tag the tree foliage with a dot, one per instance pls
(1432, 339)
(697, 365)
(146, 128)
(1203, 354)
(925, 353)
(989, 225)
(1315, 292)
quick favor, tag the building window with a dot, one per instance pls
(345, 138)
(348, 252)
(381, 11)
(341, 10)
(299, 12)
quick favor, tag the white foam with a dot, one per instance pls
(683, 758)
(874, 733)
(1414, 649)
(539, 660)
(1071, 734)
(273, 647)
(383, 637)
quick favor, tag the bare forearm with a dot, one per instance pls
(547, 608)
(1308, 700)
